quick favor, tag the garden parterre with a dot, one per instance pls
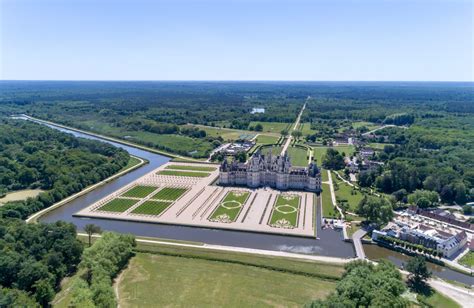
(163, 197)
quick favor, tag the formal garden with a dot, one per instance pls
(230, 207)
(285, 211)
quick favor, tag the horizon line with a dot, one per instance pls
(228, 80)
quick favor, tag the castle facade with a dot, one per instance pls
(270, 170)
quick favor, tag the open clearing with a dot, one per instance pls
(151, 207)
(273, 127)
(159, 280)
(230, 207)
(139, 191)
(285, 211)
(184, 173)
(118, 205)
(20, 195)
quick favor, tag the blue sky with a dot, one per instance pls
(237, 40)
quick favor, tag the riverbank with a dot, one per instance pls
(34, 218)
(113, 139)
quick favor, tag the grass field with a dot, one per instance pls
(227, 134)
(173, 142)
(230, 206)
(298, 156)
(319, 152)
(379, 146)
(133, 161)
(160, 280)
(346, 192)
(169, 193)
(152, 207)
(324, 174)
(184, 173)
(437, 300)
(267, 139)
(329, 210)
(192, 168)
(118, 205)
(20, 195)
(468, 260)
(272, 127)
(286, 209)
(139, 191)
(305, 128)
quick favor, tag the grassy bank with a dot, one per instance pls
(198, 282)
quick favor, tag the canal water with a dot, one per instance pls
(375, 252)
(329, 242)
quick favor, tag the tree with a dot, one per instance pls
(333, 160)
(467, 209)
(366, 285)
(284, 132)
(91, 229)
(296, 134)
(376, 210)
(258, 127)
(419, 273)
(241, 156)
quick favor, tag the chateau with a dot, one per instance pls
(270, 170)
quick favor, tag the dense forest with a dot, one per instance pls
(435, 154)
(35, 156)
(34, 258)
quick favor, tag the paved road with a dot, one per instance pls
(356, 238)
(290, 137)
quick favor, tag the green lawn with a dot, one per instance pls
(379, 146)
(139, 191)
(273, 127)
(171, 142)
(192, 168)
(329, 210)
(346, 192)
(306, 129)
(118, 205)
(152, 207)
(169, 193)
(227, 134)
(369, 125)
(319, 152)
(284, 209)
(267, 139)
(298, 156)
(437, 300)
(184, 173)
(324, 174)
(152, 280)
(230, 206)
(468, 260)
(133, 161)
